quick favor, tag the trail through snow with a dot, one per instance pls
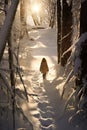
(45, 109)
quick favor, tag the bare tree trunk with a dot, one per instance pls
(52, 14)
(6, 28)
(83, 17)
(58, 29)
(66, 31)
(64, 22)
(35, 19)
(83, 29)
(82, 80)
(23, 18)
(12, 77)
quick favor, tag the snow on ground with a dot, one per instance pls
(44, 46)
(45, 110)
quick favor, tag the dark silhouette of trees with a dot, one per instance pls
(78, 59)
(64, 20)
(52, 13)
(58, 30)
(6, 42)
(81, 81)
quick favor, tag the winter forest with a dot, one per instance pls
(43, 64)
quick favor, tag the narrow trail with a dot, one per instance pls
(47, 101)
(45, 109)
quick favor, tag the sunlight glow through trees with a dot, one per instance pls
(36, 8)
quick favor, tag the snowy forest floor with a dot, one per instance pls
(45, 108)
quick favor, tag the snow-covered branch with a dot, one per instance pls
(75, 60)
(6, 28)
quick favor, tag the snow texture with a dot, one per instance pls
(45, 109)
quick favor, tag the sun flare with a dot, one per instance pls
(35, 8)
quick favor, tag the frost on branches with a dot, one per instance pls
(76, 61)
(79, 71)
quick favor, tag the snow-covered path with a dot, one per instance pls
(46, 108)
(44, 45)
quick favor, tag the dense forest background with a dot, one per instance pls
(17, 19)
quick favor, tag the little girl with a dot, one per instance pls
(44, 68)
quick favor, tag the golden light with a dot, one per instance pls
(35, 8)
